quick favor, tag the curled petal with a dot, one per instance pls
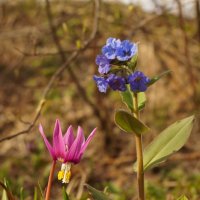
(69, 137)
(74, 151)
(48, 145)
(83, 148)
(58, 141)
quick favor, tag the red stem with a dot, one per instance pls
(50, 180)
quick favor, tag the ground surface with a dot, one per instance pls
(28, 59)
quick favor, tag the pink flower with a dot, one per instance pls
(68, 149)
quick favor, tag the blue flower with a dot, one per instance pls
(102, 83)
(109, 50)
(126, 50)
(116, 82)
(138, 81)
(103, 63)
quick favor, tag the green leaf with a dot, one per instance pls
(4, 195)
(158, 77)
(128, 123)
(40, 190)
(127, 98)
(35, 197)
(5, 190)
(115, 69)
(96, 194)
(7, 194)
(78, 44)
(168, 142)
(141, 100)
(133, 62)
(182, 198)
(65, 195)
(21, 193)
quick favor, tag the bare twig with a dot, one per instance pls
(43, 53)
(27, 130)
(146, 21)
(59, 71)
(73, 76)
(53, 53)
(150, 19)
(186, 50)
(197, 2)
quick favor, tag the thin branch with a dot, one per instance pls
(59, 71)
(197, 5)
(73, 76)
(190, 69)
(42, 53)
(53, 53)
(32, 124)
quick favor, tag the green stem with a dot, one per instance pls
(139, 154)
(50, 181)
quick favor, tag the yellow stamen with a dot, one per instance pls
(65, 174)
(67, 177)
(60, 175)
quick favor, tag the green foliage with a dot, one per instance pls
(128, 123)
(35, 196)
(41, 191)
(168, 142)
(55, 95)
(117, 193)
(65, 195)
(78, 44)
(115, 69)
(158, 77)
(4, 195)
(21, 193)
(141, 100)
(155, 192)
(133, 62)
(36, 71)
(7, 194)
(183, 197)
(127, 99)
(96, 194)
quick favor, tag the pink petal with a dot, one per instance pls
(48, 145)
(83, 148)
(74, 151)
(69, 137)
(58, 141)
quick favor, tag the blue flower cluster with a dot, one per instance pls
(115, 49)
(119, 53)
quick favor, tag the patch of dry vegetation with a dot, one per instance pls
(29, 57)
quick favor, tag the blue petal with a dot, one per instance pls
(102, 83)
(116, 82)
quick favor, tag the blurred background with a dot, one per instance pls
(47, 63)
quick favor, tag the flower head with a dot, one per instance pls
(102, 83)
(109, 50)
(104, 64)
(117, 67)
(138, 81)
(116, 82)
(126, 50)
(68, 149)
